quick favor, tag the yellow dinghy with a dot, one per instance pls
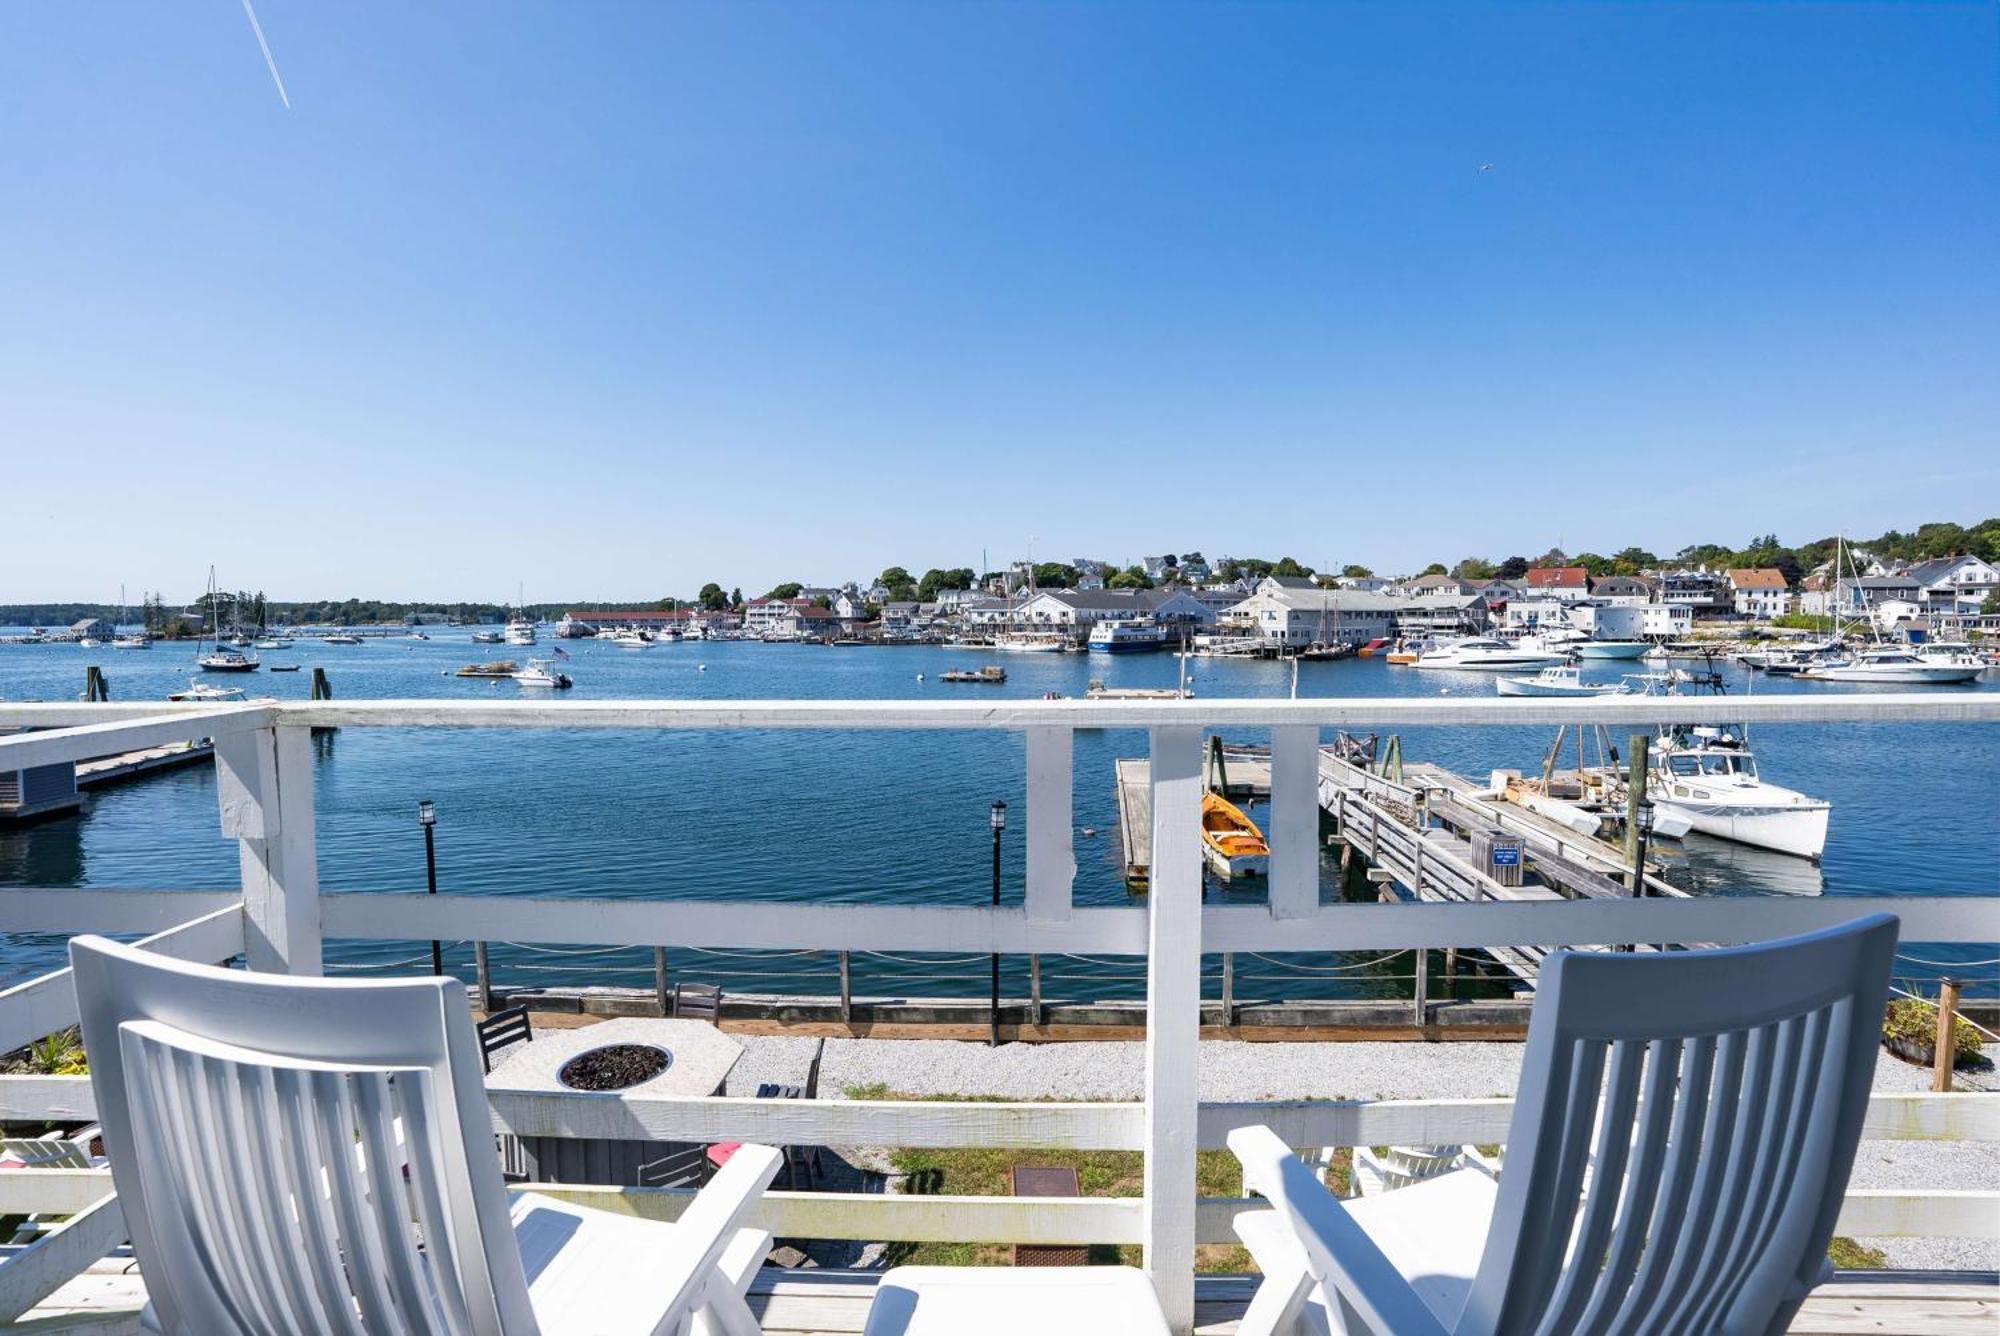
(1231, 841)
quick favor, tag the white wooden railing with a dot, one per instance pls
(278, 920)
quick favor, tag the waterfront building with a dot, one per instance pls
(1567, 584)
(1294, 617)
(1949, 584)
(1701, 591)
(1760, 593)
(1442, 614)
(1621, 589)
(92, 628)
(1081, 608)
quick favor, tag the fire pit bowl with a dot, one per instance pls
(615, 1067)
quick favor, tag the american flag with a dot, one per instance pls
(561, 653)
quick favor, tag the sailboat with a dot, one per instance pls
(221, 660)
(1324, 647)
(130, 640)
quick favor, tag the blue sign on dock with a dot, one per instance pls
(1506, 857)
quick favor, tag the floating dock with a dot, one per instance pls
(1230, 771)
(133, 764)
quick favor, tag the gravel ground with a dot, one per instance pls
(1245, 1071)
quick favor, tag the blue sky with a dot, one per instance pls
(617, 299)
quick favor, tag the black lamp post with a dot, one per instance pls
(999, 826)
(427, 818)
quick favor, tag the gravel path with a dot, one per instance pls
(1245, 1071)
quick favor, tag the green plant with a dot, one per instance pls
(1915, 1021)
(59, 1054)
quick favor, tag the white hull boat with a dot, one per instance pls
(1709, 778)
(131, 642)
(1029, 643)
(202, 692)
(1893, 667)
(1557, 680)
(1609, 649)
(1480, 654)
(542, 673)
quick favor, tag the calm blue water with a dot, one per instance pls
(873, 817)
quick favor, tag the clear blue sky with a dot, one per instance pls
(616, 299)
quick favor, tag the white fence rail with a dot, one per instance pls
(266, 804)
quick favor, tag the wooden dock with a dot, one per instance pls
(1243, 774)
(131, 765)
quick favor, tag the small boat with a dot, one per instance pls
(542, 673)
(227, 661)
(1374, 647)
(487, 638)
(340, 638)
(284, 667)
(90, 642)
(991, 675)
(271, 644)
(1558, 679)
(132, 642)
(1608, 649)
(418, 635)
(1231, 841)
(499, 668)
(1322, 651)
(203, 692)
(1707, 776)
(631, 640)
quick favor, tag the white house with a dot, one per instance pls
(1951, 583)
(1759, 592)
(1296, 617)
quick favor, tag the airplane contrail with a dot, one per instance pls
(265, 47)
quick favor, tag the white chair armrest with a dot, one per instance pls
(706, 1229)
(1337, 1248)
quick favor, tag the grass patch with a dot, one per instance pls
(1847, 1255)
(968, 1171)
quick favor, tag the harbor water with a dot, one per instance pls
(881, 817)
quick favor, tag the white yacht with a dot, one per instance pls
(1485, 654)
(1126, 637)
(202, 691)
(139, 641)
(1708, 776)
(1956, 653)
(340, 638)
(1609, 649)
(1031, 642)
(631, 640)
(1893, 664)
(520, 631)
(1558, 679)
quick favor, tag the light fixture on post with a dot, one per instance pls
(999, 828)
(427, 818)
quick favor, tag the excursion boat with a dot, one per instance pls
(1891, 664)
(543, 673)
(1558, 679)
(1230, 841)
(202, 691)
(1609, 649)
(1708, 776)
(992, 674)
(1122, 637)
(520, 631)
(1485, 654)
(1031, 642)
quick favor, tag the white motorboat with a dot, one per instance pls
(227, 661)
(340, 638)
(272, 644)
(1126, 637)
(203, 692)
(132, 642)
(1892, 664)
(1708, 776)
(90, 642)
(1558, 679)
(487, 637)
(1608, 649)
(1031, 642)
(1485, 654)
(543, 673)
(520, 631)
(631, 640)
(1956, 653)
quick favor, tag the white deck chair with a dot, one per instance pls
(311, 1155)
(1718, 1098)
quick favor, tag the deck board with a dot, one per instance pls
(105, 1301)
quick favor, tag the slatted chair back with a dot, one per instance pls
(698, 1001)
(1683, 1136)
(508, 1026)
(299, 1154)
(48, 1152)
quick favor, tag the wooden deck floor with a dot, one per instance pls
(106, 1301)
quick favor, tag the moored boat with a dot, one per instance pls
(543, 673)
(1558, 679)
(227, 661)
(1486, 654)
(203, 692)
(1126, 637)
(1707, 776)
(1230, 840)
(1608, 649)
(1893, 665)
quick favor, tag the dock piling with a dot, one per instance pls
(95, 688)
(1035, 991)
(1229, 989)
(1947, 1052)
(660, 981)
(846, 989)
(484, 975)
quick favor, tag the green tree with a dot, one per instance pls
(1435, 568)
(1991, 603)
(959, 577)
(712, 598)
(1354, 572)
(1229, 571)
(1513, 568)
(1473, 568)
(895, 577)
(1055, 575)
(736, 598)
(1632, 560)
(789, 589)
(1132, 577)
(1555, 556)
(1290, 569)
(1592, 563)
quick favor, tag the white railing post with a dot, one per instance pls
(264, 786)
(1051, 836)
(1173, 1020)
(1294, 821)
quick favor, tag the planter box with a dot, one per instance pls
(1922, 1053)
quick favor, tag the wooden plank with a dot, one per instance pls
(157, 727)
(264, 788)
(32, 1275)
(1051, 833)
(1324, 712)
(43, 1005)
(1294, 878)
(1173, 1029)
(913, 1123)
(1135, 819)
